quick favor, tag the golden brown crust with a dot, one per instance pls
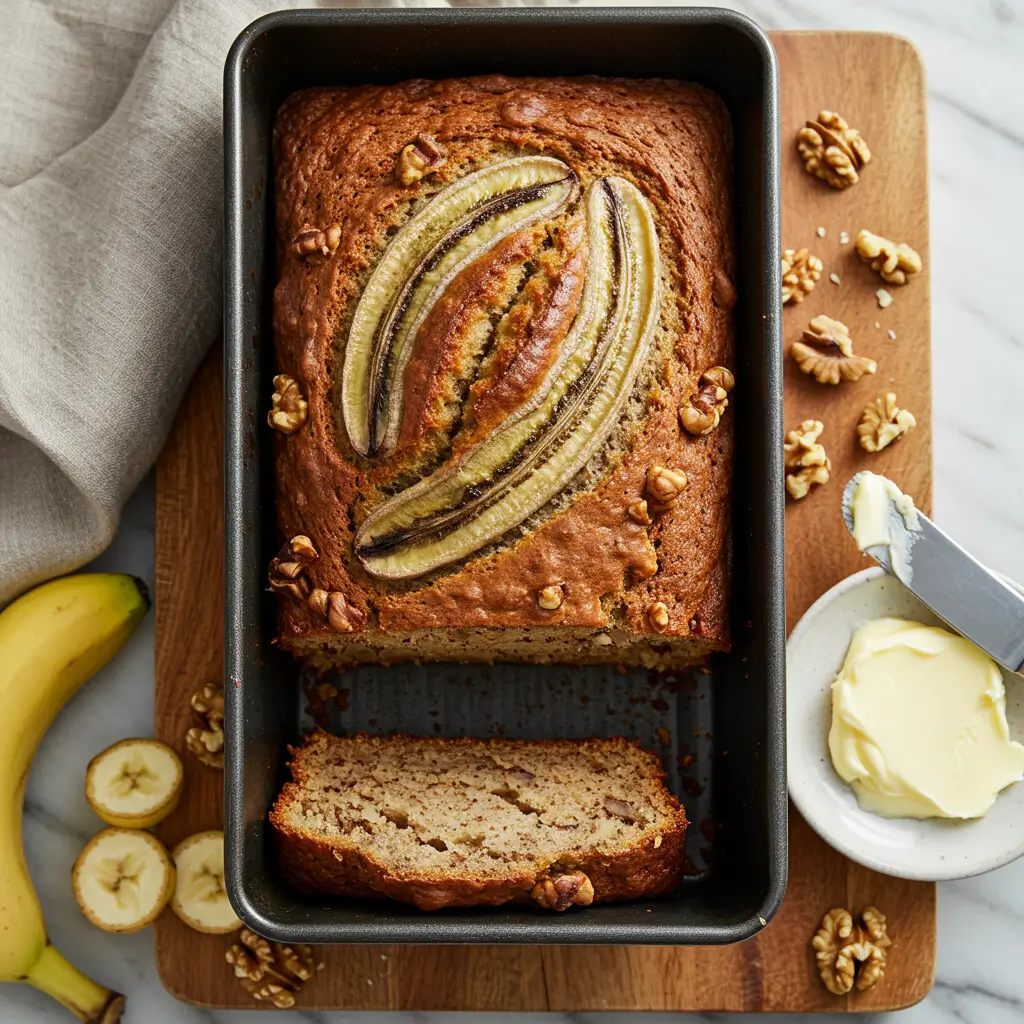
(335, 151)
(334, 865)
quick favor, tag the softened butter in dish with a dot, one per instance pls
(919, 724)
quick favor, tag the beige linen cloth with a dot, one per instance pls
(110, 254)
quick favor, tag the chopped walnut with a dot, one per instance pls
(800, 271)
(315, 245)
(663, 487)
(550, 598)
(896, 263)
(705, 408)
(882, 422)
(563, 891)
(849, 953)
(826, 353)
(421, 157)
(657, 616)
(832, 150)
(335, 608)
(638, 512)
(206, 741)
(806, 458)
(271, 971)
(287, 406)
(287, 567)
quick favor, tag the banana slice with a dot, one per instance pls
(200, 899)
(135, 783)
(123, 879)
(531, 457)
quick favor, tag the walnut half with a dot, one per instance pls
(335, 608)
(288, 408)
(882, 422)
(826, 352)
(897, 263)
(564, 891)
(832, 150)
(663, 487)
(704, 410)
(271, 971)
(421, 157)
(288, 565)
(800, 271)
(806, 462)
(316, 245)
(206, 741)
(849, 953)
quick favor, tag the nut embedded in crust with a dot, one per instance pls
(315, 245)
(897, 263)
(831, 150)
(657, 616)
(288, 565)
(882, 422)
(663, 487)
(705, 408)
(637, 511)
(849, 953)
(288, 409)
(564, 891)
(800, 271)
(206, 741)
(826, 353)
(806, 462)
(270, 971)
(550, 598)
(421, 157)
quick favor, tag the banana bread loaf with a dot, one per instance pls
(454, 823)
(503, 345)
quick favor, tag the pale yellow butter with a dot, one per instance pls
(919, 723)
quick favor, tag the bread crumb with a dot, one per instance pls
(844, 238)
(877, 325)
(884, 298)
(821, 232)
(892, 334)
(834, 278)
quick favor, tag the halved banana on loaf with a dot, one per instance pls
(200, 898)
(123, 879)
(135, 783)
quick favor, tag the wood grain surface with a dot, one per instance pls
(876, 82)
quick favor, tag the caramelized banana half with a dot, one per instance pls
(454, 228)
(521, 465)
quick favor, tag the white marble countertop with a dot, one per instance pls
(976, 149)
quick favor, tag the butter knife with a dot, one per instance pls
(933, 567)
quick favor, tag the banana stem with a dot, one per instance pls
(87, 1000)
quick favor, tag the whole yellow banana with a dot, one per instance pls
(52, 639)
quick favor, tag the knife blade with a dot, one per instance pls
(945, 577)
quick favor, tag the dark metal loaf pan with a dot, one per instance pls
(722, 736)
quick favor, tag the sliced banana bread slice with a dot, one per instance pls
(461, 822)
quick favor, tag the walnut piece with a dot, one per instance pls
(897, 263)
(287, 406)
(288, 565)
(335, 608)
(657, 616)
(563, 891)
(206, 741)
(638, 512)
(315, 245)
(800, 271)
(421, 157)
(550, 598)
(832, 150)
(882, 422)
(826, 353)
(806, 458)
(270, 971)
(663, 487)
(849, 953)
(705, 408)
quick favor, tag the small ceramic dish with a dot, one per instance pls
(934, 849)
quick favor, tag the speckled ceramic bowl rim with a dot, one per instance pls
(983, 865)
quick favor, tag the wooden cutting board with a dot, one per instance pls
(877, 82)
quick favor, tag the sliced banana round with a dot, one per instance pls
(134, 783)
(200, 898)
(123, 879)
